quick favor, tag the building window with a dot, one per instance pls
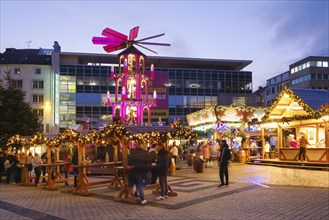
(17, 71)
(325, 64)
(38, 71)
(18, 84)
(37, 84)
(39, 112)
(37, 98)
(240, 100)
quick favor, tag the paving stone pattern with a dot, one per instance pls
(254, 193)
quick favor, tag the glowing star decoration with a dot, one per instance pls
(152, 72)
(108, 98)
(154, 98)
(112, 72)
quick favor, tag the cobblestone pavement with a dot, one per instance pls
(255, 192)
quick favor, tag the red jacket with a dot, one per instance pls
(67, 167)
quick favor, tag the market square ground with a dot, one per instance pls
(255, 192)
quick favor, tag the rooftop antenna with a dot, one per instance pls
(28, 43)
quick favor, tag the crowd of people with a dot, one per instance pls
(11, 167)
(12, 164)
(149, 164)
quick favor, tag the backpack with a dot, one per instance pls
(7, 164)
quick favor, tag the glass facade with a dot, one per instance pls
(83, 91)
(83, 88)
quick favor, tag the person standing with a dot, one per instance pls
(44, 168)
(67, 168)
(174, 152)
(267, 150)
(153, 156)
(303, 142)
(2, 166)
(36, 163)
(12, 170)
(162, 168)
(141, 161)
(75, 161)
(29, 164)
(225, 155)
(206, 153)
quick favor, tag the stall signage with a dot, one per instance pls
(202, 117)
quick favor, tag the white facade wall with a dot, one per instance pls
(28, 75)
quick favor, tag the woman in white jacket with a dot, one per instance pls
(36, 163)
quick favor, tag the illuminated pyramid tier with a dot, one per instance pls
(131, 89)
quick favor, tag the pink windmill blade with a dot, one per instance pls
(104, 40)
(133, 33)
(111, 48)
(114, 35)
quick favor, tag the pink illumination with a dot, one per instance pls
(112, 72)
(114, 40)
(154, 98)
(125, 65)
(108, 98)
(152, 72)
(123, 93)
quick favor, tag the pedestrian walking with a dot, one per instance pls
(224, 157)
(141, 161)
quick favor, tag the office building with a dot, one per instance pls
(309, 73)
(78, 85)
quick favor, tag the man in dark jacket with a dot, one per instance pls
(153, 156)
(162, 169)
(224, 157)
(141, 161)
(75, 161)
(12, 170)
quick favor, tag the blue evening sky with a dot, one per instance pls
(273, 34)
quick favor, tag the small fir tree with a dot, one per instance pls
(16, 115)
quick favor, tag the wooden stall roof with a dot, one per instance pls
(225, 113)
(288, 106)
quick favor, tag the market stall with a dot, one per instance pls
(293, 116)
(237, 123)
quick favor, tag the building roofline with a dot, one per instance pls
(309, 58)
(166, 62)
